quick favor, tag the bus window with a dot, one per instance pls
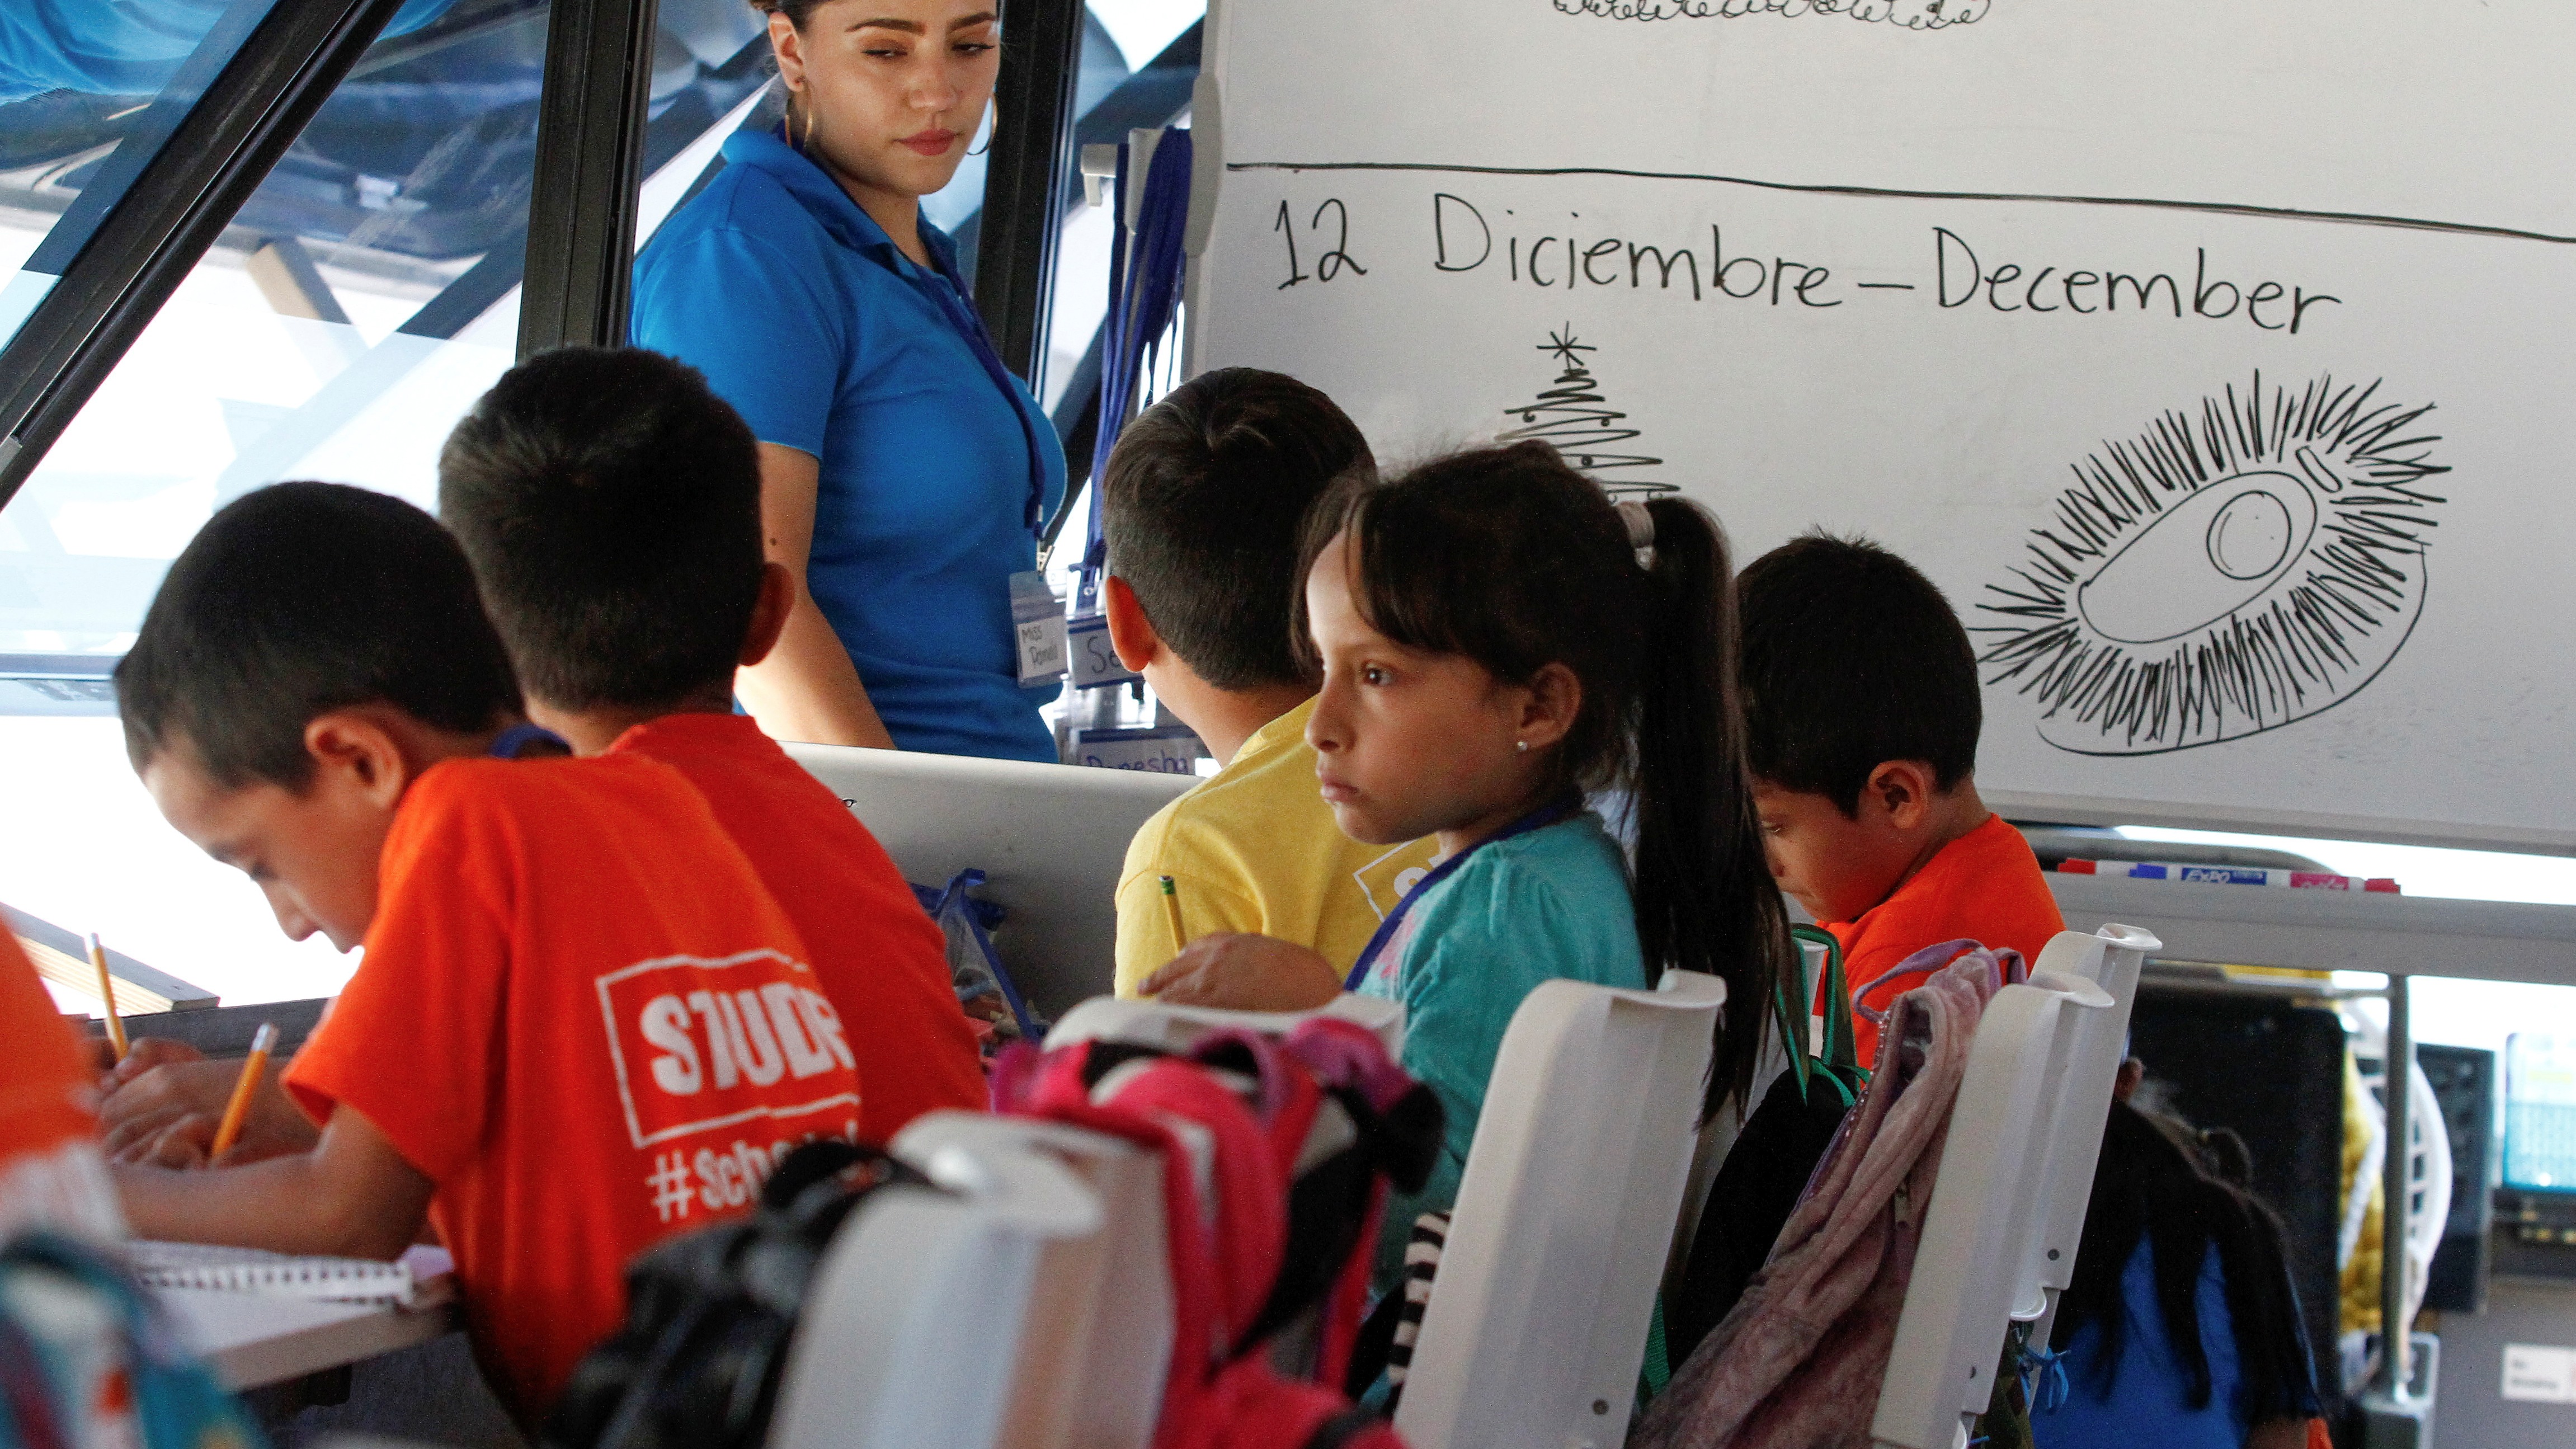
(88, 93)
(356, 305)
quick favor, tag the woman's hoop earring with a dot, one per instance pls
(996, 114)
(807, 143)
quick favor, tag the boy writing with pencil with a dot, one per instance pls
(610, 505)
(581, 1024)
(1861, 715)
(1203, 504)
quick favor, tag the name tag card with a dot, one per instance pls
(1163, 750)
(1037, 618)
(1093, 662)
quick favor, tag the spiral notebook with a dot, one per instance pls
(421, 1276)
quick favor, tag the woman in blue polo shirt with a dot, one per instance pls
(904, 472)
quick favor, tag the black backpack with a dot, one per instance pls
(711, 1315)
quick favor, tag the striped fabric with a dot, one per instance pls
(1421, 1264)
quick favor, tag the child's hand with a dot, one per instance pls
(1244, 972)
(142, 1055)
(179, 1142)
(165, 1113)
(353, 1195)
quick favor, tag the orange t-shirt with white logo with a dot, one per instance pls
(583, 1018)
(51, 1174)
(875, 953)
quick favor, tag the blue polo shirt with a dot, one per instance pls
(936, 465)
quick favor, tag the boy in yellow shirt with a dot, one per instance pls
(1203, 505)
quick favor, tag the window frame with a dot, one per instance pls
(577, 285)
(1026, 179)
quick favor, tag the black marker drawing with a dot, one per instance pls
(1911, 14)
(1575, 418)
(2218, 577)
(1335, 257)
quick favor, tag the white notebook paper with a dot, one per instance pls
(422, 1275)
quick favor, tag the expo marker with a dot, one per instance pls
(2229, 875)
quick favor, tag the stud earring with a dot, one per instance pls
(1521, 745)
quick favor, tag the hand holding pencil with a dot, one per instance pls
(238, 1109)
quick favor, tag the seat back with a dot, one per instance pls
(1098, 1334)
(1175, 1028)
(1036, 831)
(919, 1315)
(2110, 959)
(2016, 1172)
(1537, 1322)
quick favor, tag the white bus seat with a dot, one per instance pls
(1050, 839)
(1174, 1028)
(914, 1322)
(2110, 959)
(2009, 1178)
(1537, 1322)
(1099, 1330)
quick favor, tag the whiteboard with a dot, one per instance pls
(2214, 359)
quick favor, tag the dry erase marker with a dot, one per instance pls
(1172, 908)
(107, 996)
(261, 1043)
(2254, 875)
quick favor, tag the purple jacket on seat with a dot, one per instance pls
(1799, 1362)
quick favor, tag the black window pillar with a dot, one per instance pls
(1025, 182)
(589, 162)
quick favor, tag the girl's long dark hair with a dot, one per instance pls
(2159, 1180)
(1513, 559)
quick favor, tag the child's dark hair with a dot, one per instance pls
(1201, 505)
(300, 599)
(2159, 1180)
(610, 502)
(1852, 658)
(1511, 558)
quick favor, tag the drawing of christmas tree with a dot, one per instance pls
(1575, 418)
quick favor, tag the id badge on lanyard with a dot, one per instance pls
(1037, 627)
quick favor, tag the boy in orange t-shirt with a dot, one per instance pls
(581, 1025)
(610, 503)
(1861, 712)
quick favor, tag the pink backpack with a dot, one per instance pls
(1799, 1361)
(1256, 1244)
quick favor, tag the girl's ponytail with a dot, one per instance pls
(1705, 898)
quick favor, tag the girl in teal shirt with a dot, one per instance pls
(1497, 640)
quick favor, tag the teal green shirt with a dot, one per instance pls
(1531, 908)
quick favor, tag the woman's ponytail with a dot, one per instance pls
(1705, 898)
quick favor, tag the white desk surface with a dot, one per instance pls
(252, 1339)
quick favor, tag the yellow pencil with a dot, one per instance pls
(107, 996)
(1172, 908)
(235, 1111)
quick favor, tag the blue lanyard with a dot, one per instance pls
(952, 302)
(1538, 819)
(513, 742)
